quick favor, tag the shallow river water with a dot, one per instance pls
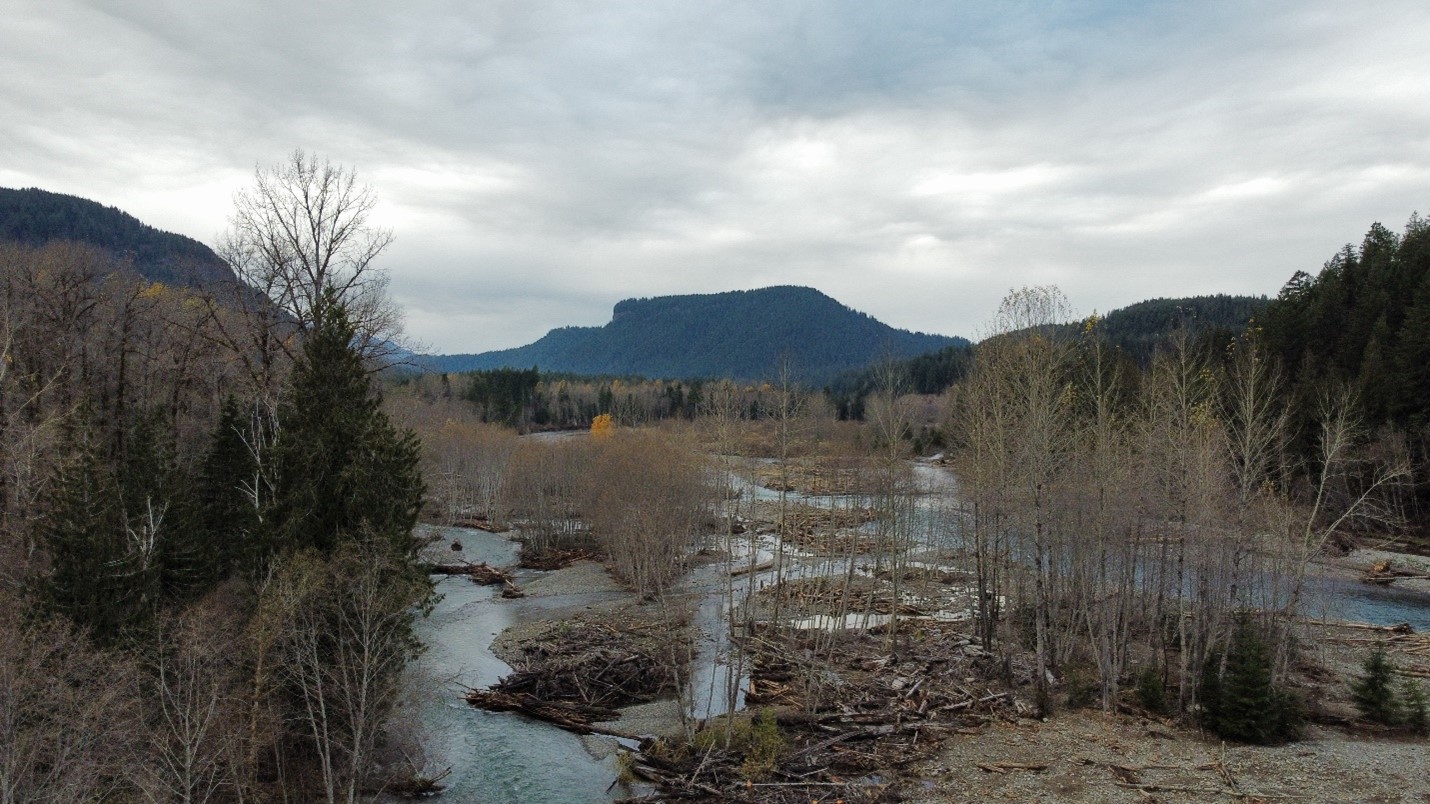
(494, 757)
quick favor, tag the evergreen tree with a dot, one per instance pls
(227, 519)
(1374, 691)
(339, 465)
(1416, 706)
(82, 530)
(1242, 702)
(157, 511)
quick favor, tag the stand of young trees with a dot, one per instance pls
(212, 543)
(1125, 520)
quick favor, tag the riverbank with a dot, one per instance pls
(1094, 757)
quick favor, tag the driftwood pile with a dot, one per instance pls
(578, 674)
(849, 721)
(818, 477)
(827, 530)
(550, 558)
(1384, 572)
(825, 595)
(481, 523)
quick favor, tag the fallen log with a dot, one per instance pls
(482, 573)
(1004, 767)
(578, 718)
(745, 569)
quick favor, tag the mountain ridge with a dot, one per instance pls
(34, 217)
(740, 333)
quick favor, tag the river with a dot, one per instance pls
(507, 758)
(494, 757)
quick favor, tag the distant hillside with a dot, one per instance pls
(741, 334)
(1138, 329)
(35, 217)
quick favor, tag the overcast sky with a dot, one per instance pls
(538, 161)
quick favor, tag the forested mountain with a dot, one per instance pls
(1138, 329)
(34, 217)
(741, 334)
(1363, 321)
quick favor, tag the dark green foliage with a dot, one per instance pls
(1151, 691)
(1374, 691)
(1240, 700)
(741, 334)
(929, 373)
(83, 531)
(1359, 321)
(157, 509)
(1415, 705)
(1363, 322)
(1134, 332)
(36, 217)
(504, 395)
(1138, 330)
(227, 515)
(339, 466)
(120, 533)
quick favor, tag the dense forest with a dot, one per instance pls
(1135, 331)
(35, 217)
(743, 335)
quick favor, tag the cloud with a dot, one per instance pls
(539, 161)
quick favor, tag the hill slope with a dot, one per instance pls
(741, 334)
(34, 217)
(1138, 329)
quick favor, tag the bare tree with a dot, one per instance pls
(343, 637)
(303, 229)
(67, 725)
(194, 737)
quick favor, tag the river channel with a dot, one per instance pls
(507, 758)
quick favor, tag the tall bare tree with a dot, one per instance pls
(302, 230)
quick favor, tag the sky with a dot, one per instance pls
(538, 161)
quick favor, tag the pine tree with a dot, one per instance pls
(82, 530)
(228, 516)
(1242, 702)
(157, 511)
(1416, 706)
(339, 465)
(1374, 691)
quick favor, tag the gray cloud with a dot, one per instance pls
(541, 160)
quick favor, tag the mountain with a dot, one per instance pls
(1138, 329)
(34, 217)
(741, 334)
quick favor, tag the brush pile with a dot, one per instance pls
(851, 715)
(579, 673)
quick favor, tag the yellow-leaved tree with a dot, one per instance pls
(602, 426)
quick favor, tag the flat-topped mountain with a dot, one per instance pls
(742, 334)
(35, 217)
